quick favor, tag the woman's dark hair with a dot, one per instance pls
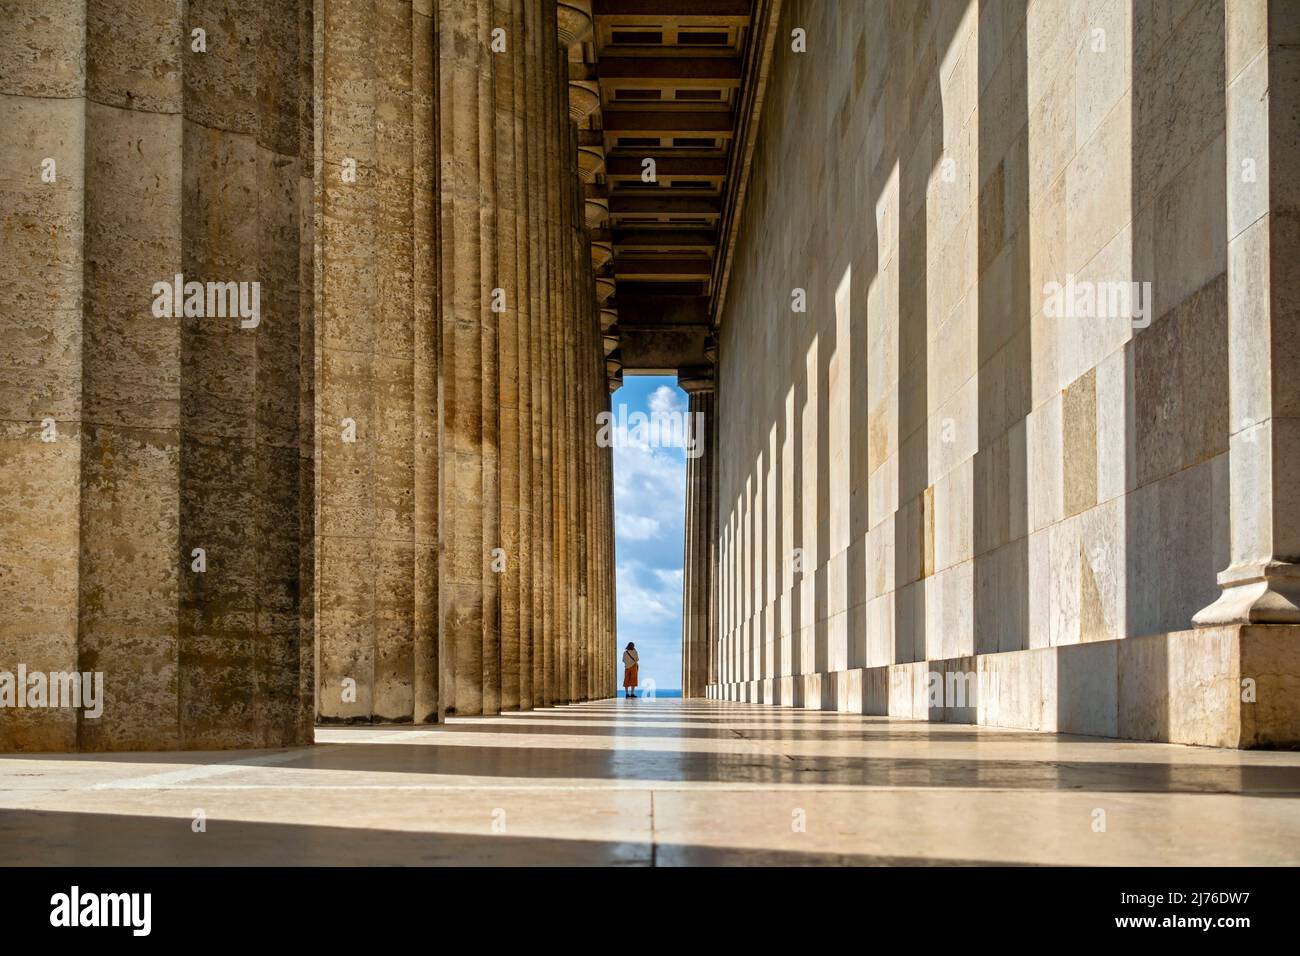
(630, 646)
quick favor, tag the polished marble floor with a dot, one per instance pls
(660, 782)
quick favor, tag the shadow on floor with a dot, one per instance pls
(45, 838)
(526, 763)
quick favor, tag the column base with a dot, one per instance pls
(1256, 593)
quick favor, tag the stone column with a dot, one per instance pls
(151, 462)
(376, 348)
(610, 566)
(563, 269)
(577, 259)
(525, 123)
(712, 634)
(697, 569)
(591, 548)
(689, 543)
(510, 162)
(48, 116)
(582, 270)
(468, 630)
(548, 185)
(1262, 583)
(425, 121)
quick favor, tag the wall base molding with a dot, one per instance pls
(1228, 686)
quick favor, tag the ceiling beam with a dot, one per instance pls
(663, 205)
(718, 71)
(713, 10)
(718, 122)
(695, 268)
(675, 239)
(704, 166)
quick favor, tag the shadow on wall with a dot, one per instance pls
(1004, 350)
(1176, 371)
(1139, 533)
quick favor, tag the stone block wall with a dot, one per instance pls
(938, 462)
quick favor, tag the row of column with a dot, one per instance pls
(471, 581)
(700, 555)
(301, 371)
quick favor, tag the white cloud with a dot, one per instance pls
(670, 577)
(648, 603)
(664, 399)
(649, 493)
(636, 527)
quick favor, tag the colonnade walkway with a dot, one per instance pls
(659, 782)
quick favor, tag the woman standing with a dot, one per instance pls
(630, 661)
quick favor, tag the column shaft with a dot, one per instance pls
(136, 433)
(425, 121)
(376, 399)
(545, 679)
(697, 568)
(467, 525)
(507, 310)
(1262, 583)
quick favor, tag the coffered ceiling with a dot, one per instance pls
(657, 89)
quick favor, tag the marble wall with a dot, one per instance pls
(941, 459)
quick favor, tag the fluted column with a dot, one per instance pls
(591, 483)
(376, 345)
(525, 64)
(49, 117)
(468, 630)
(544, 668)
(712, 627)
(697, 566)
(572, 490)
(512, 239)
(152, 477)
(689, 543)
(426, 180)
(564, 274)
(379, 500)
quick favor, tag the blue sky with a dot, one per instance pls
(649, 516)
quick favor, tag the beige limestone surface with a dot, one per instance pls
(661, 782)
(936, 462)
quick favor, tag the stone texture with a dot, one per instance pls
(173, 433)
(664, 782)
(964, 466)
(936, 471)
(352, 465)
(697, 569)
